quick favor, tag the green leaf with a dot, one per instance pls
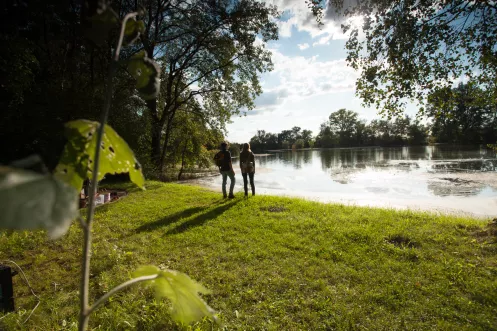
(29, 200)
(182, 291)
(146, 73)
(133, 30)
(147, 270)
(76, 163)
(99, 25)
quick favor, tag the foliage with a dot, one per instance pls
(263, 141)
(343, 123)
(189, 138)
(208, 57)
(53, 75)
(408, 49)
(146, 73)
(344, 129)
(464, 114)
(29, 200)
(187, 306)
(76, 163)
(93, 150)
(288, 264)
(207, 52)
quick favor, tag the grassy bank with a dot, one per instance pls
(271, 262)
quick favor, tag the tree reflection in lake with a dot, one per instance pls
(434, 176)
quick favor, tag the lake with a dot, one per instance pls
(454, 179)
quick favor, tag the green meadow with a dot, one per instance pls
(272, 263)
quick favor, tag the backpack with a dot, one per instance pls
(219, 159)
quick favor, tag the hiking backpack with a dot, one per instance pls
(219, 159)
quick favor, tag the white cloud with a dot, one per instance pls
(303, 46)
(295, 78)
(303, 77)
(323, 40)
(301, 18)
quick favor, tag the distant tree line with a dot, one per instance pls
(465, 114)
(296, 137)
(345, 129)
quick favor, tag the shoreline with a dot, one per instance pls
(389, 204)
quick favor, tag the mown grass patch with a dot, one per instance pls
(272, 263)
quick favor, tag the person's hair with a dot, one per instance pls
(224, 145)
(246, 147)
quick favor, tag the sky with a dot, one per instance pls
(310, 79)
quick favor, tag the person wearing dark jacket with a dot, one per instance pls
(247, 165)
(223, 161)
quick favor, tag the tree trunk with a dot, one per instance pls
(156, 143)
(182, 161)
(155, 153)
(162, 159)
(166, 139)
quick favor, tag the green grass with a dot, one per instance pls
(272, 263)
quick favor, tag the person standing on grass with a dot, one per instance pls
(247, 165)
(223, 161)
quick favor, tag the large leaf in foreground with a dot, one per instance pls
(146, 73)
(133, 30)
(116, 157)
(29, 200)
(181, 290)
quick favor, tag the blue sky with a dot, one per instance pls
(309, 81)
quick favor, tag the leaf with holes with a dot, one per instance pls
(181, 290)
(116, 157)
(74, 162)
(29, 200)
(147, 75)
(133, 30)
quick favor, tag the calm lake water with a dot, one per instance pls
(455, 179)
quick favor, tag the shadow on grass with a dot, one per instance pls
(170, 219)
(202, 218)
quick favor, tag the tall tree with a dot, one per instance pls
(208, 51)
(343, 123)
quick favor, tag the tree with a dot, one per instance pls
(93, 150)
(207, 52)
(48, 66)
(306, 136)
(406, 49)
(382, 132)
(272, 141)
(417, 133)
(400, 129)
(343, 123)
(326, 137)
(189, 138)
(286, 138)
(463, 114)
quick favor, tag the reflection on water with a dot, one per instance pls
(457, 177)
(435, 158)
(343, 165)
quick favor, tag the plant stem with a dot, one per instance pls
(84, 314)
(118, 288)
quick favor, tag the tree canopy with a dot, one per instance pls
(406, 49)
(55, 56)
(209, 57)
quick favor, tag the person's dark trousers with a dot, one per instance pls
(245, 184)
